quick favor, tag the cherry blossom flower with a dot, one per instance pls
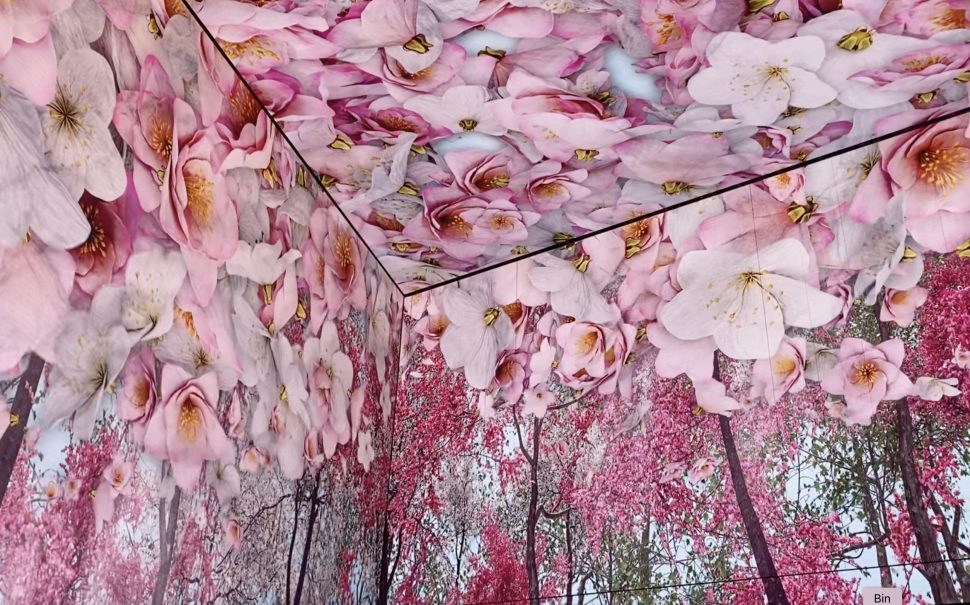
(867, 375)
(233, 534)
(459, 109)
(536, 401)
(185, 430)
(782, 373)
(91, 352)
(139, 394)
(712, 397)
(478, 331)
(365, 449)
(760, 79)
(899, 306)
(594, 355)
(926, 167)
(224, 479)
(935, 389)
(75, 125)
(747, 307)
(153, 277)
(34, 286)
(32, 195)
(961, 357)
(701, 470)
(574, 286)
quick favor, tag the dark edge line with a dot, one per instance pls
(293, 148)
(678, 205)
(725, 581)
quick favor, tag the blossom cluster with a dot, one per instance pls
(189, 250)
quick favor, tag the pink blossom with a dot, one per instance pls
(549, 185)
(746, 307)
(233, 534)
(701, 470)
(594, 355)
(197, 212)
(34, 285)
(712, 397)
(574, 286)
(477, 172)
(900, 306)
(185, 429)
(536, 401)
(760, 79)
(459, 109)
(783, 372)
(465, 224)
(935, 389)
(961, 357)
(915, 72)
(138, 396)
(867, 375)
(927, 167)
(478, 331)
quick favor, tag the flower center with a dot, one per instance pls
(468, 124)
(198, 190)
(160, 137)
(491, 316)
(749, 278)
(549, 189)
(952, 18)
(392, 122)
(870, 161)
(586, 342)
(773, 72)
(784, 365)
(342, 250)
(942, 167)
(244, 106)
(586, 155)
(175, 7)
(65, 113)
(918, 64)
(190, 420)
(139, 395)
(857, 40)
(97, 242)
(866, 374)
(255, 47)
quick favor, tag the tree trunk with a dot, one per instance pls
(168, 548)
(13, 438)
(296, 525)
(872, 520)
(531, 567)
(311, 522)
(384, 579)
(774, 589)
(952, 550)
(569, 560)
(941, 584)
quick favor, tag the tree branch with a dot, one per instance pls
(13, 437)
